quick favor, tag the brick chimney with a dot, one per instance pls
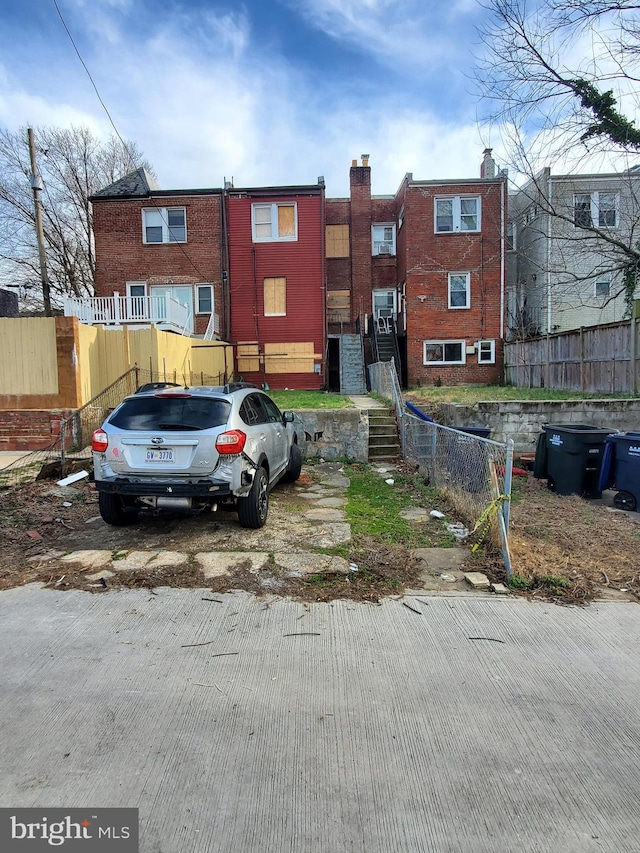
(488, 165)
(361, 221)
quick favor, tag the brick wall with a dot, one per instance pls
(122, 256)
(30, 429)
(430, 257)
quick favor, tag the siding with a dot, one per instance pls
(301, 263)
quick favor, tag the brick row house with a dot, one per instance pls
(309, 288)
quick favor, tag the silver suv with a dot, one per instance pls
(189, 449)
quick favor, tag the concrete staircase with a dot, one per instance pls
(351, 365)
(384, 443)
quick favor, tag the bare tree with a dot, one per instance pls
(560, 78)
(74, 164)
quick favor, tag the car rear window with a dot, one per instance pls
(171, 413)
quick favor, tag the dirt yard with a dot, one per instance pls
(563, 548)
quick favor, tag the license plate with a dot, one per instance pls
(156, 455)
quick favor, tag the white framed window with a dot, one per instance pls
(511, 237)
(486, 352)
(164, 225)
(595, 209)
(603, 286)
(204, 299)
(271, 223)
(383, 239)
(457, 213)
(459, 290)
(444, 352)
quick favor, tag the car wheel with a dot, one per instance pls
(112, 510)
(295, 465)
(253, 509)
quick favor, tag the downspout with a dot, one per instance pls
(226, 272)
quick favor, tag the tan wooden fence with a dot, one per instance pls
(61, 363)
(596, 359)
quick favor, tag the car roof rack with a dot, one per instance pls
(238, 386)
(155, 386)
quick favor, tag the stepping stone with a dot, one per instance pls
(299, 565)
(90, 559)
(414, 513)
(333, 502)
(105, 574)
(321, 514)
(214, 564)
(477, 580)
(132, 561)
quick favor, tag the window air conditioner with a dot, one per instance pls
(384, 249)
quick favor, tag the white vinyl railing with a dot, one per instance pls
(213, 327)
(116, 309)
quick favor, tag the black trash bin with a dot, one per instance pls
(462, 451)
(621, 467)
(481, 432)
(574, 456)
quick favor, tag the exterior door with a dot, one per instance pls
(384, 304)
(182, 293)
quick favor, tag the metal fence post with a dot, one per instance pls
(63, 440)
(508, 476)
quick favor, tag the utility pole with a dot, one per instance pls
(36, 186)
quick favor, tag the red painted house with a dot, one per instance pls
(277, 284)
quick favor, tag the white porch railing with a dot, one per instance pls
(116, 310)
(213, 327)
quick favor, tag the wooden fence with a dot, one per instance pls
(595, 359)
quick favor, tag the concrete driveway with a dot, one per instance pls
(241, 724)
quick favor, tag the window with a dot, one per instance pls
(459, 289)
(530, 214)
(603, 286)
(458, 213)
(444, 352)
(595, 209)
(164, 225)
(272, 222)
(204, 299)
(401, 218)
(337, 238)
(275, 297)
(486, 352)
(511, 237)
(383, 239)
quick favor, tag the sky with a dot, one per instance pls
(261, 92)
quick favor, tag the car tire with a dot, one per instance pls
(253, 509)
(112, 510)
(295, 465)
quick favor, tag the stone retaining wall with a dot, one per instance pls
(333, 434)
(522, 421)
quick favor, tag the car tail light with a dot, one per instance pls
(99, 441)
(231, 442)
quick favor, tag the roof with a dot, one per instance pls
(138, 183)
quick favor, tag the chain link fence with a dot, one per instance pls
(473, 471)
(72, 446)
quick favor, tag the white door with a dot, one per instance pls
(182, 293)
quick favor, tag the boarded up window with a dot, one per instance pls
(290, 357)
(286, 220)
(275, 297)
(338, 306)
(337, 241)
(248, 358)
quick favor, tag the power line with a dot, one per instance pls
(124, 144)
